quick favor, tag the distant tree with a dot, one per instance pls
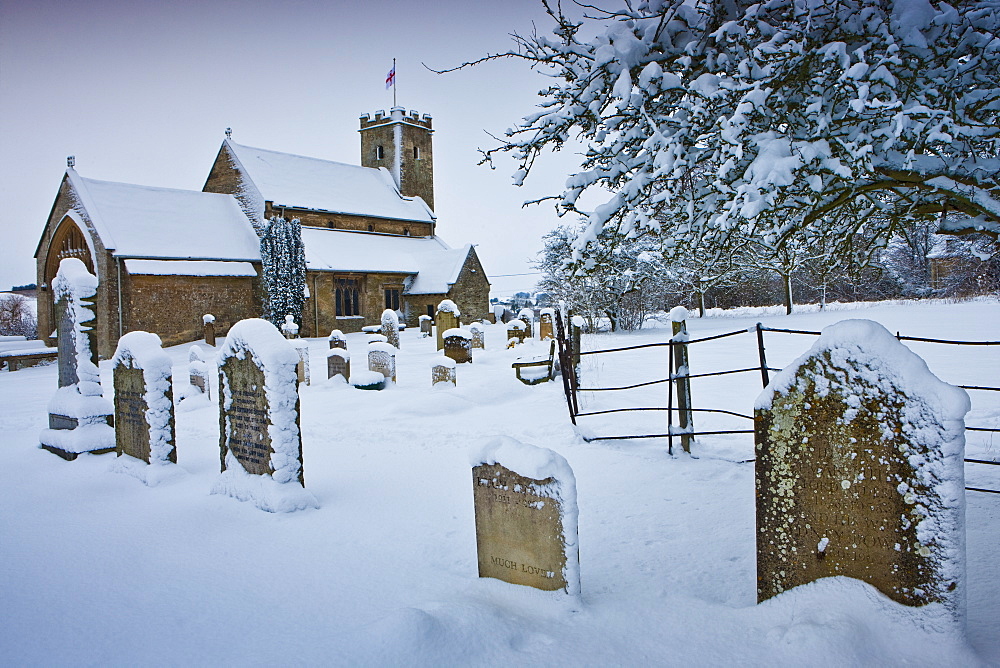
(283, 262)
(16, 317)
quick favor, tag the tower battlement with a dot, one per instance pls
(400, 141)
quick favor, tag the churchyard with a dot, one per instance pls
(631, 556)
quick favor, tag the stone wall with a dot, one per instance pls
(319, 314)
(343, 221)
(172, 306)
(417, 170)
(472, 290)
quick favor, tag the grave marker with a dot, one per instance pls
(860, 471)
(258, 401)
(80, 419)
(337, 340)
(426, 325)
(144, 404)
(516, 332)
(198, 370)
(338, 362)
(208, 325)
(478, 336)
(446, 318)
(443, 371)
(390, 327)
(545, 323)
(527, 316)
(382, 358)
(458, 345)
(526, 516)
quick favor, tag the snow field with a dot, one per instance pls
(100, 569)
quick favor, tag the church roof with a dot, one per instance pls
(146, 222)
(435, 264)
(310, 183)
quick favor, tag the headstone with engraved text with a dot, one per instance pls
(144, 405)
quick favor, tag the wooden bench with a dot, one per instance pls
(536, 369)
(19, 359)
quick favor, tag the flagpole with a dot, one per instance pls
(394, 82)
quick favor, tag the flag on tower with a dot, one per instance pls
(390, 78)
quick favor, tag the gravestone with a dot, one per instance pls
(208, 325)
(527, 316)
(446, 318)
(478, 336)
(144, 403)
(382, 358)
(302, 368)
(80, 419)
(426, 325)
(337, 340)
(516, 332)
(526, 519)
(390, 327)
(458, 345)
(259, 403)
(860, 471)
(198, 370)
(545, 323)
(443, 371)
(289, 328)
(338, 362)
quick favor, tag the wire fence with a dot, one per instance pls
(680, 376)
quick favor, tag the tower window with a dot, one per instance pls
(416, 153)
(379, 152)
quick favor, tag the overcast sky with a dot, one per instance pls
(142, 92)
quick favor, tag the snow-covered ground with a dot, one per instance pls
(98, 569)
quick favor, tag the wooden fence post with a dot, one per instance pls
(681, 371)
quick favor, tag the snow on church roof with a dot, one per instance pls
(435, 264)
(146, 222)
(310, 183)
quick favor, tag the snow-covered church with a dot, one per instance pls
(166, 257)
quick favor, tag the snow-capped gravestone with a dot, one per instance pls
(382, 358)
(546, 322)
(208, 324)
(302, 368)
(337, 340)
(390, 327)
(259, 436)
(426, 323)
(478, 335)
(517, 331)
(527, 316)
(446, 318)
(289, 328)
(458, 345)
(144, 403)
(80, 418)
(526, 516)
(198, 370)
(860, 471)
(443, 372)
(338, 362)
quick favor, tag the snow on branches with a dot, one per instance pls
(721, 121)
(283, 262)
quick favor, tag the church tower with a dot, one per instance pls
(401, 142)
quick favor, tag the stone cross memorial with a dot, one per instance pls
(80, 419)
(859, 471)
(259, 401)
(144, 404)
(446, 318)
(526, 516)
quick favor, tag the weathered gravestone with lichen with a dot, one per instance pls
(443, 372)
(546, 323)
(80, 418)
(259, 436)
(859, 471)
(390, 327)
(144, 403)
(458, 345)
(526, 516)
(382, 358)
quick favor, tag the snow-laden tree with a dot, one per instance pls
(770, 119)
(283, 260)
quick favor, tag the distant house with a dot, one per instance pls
(166, 257)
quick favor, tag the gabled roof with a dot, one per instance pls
(435, 265)
(146, 222)
(310, 183)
